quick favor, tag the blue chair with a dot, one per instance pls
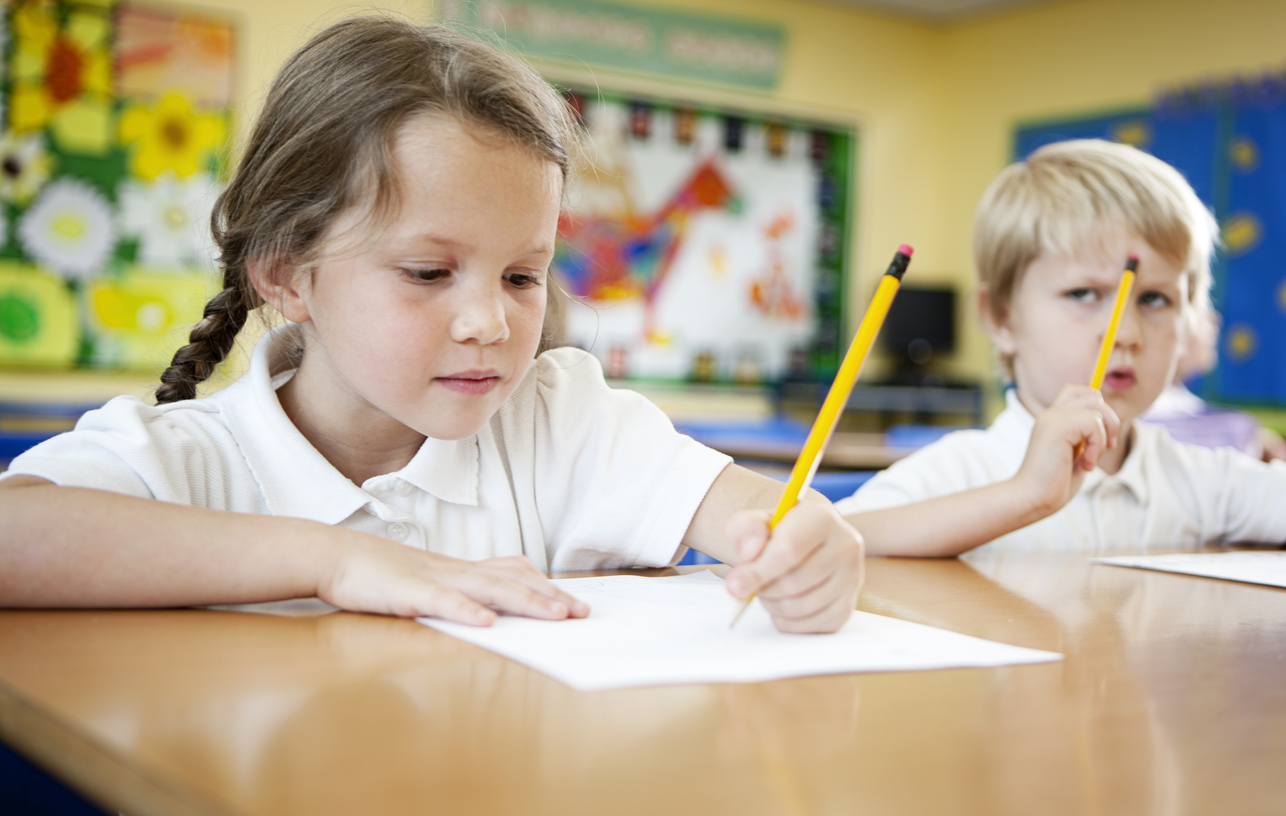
(26, 424)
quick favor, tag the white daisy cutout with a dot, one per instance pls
(69, 229)
(171, 219)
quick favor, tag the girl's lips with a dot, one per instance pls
(471, 382)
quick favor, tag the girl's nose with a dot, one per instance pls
(480, 318)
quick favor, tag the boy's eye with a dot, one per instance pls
(427, 275)
(1155, 300)
(1082, 295)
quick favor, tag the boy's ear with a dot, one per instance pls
(996, 325)
(280, 288)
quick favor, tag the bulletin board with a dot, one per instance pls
(115, 118)
(704, 244)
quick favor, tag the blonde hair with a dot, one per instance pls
(323, 145)
(1067, 197)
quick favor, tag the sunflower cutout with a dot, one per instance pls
(170, 136)
(25, 166)
(62, 76)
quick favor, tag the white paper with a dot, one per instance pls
(663, 631)
(1249, 566)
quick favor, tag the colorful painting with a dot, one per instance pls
(703, 245)
(114, 122)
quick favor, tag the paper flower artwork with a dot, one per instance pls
(171, 220)
(38, 324)
(142, 315)
(25, 166)
(61, 75)
(170, 136)
(69, 229)
(113, 121)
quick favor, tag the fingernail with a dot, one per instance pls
(559, 609)
(737, 585)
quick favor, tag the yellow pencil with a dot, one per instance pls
(811, 456)
(1109, 337)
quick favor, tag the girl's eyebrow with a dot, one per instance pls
(404, 244)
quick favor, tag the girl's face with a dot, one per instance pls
(1059, 312)
(433, 321)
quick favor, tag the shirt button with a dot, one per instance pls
(402, 488)
(397, 531)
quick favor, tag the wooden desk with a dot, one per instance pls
(1172, 700)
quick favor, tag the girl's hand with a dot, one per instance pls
(807, 571)
(1066, 443)
(373, 575)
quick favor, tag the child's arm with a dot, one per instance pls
(808, 573)
(76, 547)
(1050, 475)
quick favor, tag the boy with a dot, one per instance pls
(1050, 239)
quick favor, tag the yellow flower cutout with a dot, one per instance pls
(62, 76)
(170, 136)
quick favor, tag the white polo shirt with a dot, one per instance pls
(1166, 494)
(569, 472)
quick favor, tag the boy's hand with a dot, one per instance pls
(1066, 443)
(807, 572)
(374, 575)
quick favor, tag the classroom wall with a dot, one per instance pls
(935, 104)
(872, 69)
(1070, 57)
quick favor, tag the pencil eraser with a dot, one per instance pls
(907, 250)
(1132, 257)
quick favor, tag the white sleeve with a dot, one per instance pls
(616, 485)
(1243, 498)
(959, 461)
(132, 448)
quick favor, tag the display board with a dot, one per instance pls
(706, 245)
(115, 117)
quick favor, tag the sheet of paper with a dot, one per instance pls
(663, 631)
(1249, 566)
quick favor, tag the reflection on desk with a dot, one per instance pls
(1170, 700)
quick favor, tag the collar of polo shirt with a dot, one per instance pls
(297, 480)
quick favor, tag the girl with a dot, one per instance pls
(397, 203)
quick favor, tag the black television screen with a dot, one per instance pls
(920, 324)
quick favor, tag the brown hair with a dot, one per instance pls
(323, 145)
(1066, 196)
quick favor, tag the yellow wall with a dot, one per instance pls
(935, 104)
(1070, 57)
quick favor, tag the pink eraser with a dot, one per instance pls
(1132, 257)
(907, 250)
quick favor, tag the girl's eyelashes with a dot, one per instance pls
(427, 275)
(523, 280)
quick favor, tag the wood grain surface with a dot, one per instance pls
(1171, 700)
